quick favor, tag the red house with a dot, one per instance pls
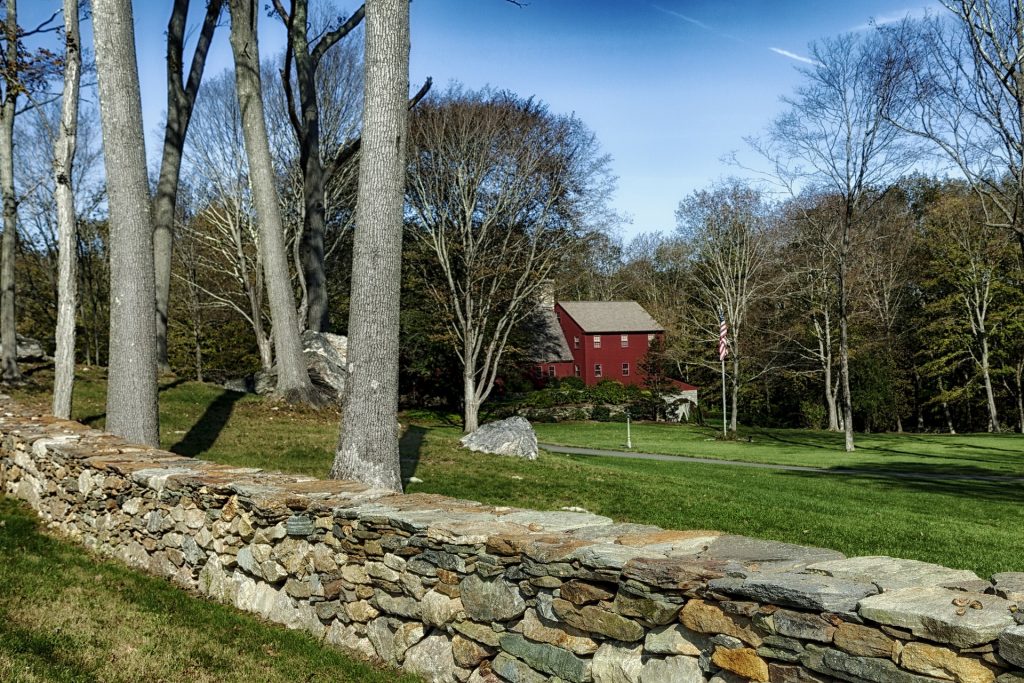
(597, 340)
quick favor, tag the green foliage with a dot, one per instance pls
(813, 414)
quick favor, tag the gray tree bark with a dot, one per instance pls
(132, 376)
(9, 371)
(67, 238)
(368, 447)
(293, 384)
(181, 96)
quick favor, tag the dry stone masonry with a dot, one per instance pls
(458, 591)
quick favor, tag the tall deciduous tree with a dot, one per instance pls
(304, 116)
(728, 227)
(63, 158)
(132, 377)
(368, 447)
(498, 189)
(181, 97)
(293, 384)
(838, 136)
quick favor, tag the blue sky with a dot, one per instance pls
(670, 87)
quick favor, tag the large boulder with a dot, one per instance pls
(513, 436)
(325, 356)
(29, 349)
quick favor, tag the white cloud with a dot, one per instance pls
(793, 55)
(895, 17)
(698, 23)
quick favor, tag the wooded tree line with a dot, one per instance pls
(859, 294)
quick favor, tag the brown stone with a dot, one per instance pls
(864, 641)
(942, 662)
(672, 574)
(743, 662)
(468, 653)
(445, 576)
(663, 536)
(582, 593)
(704, 617)
(562, 635)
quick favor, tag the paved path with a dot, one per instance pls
(573, 450)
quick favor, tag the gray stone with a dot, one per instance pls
(512, 436)
(326, 356)
(672, 670)
(438, 609)
(610, 556)
(562, 635)
(299, 525)
(554, 522)
(743, 554)
(891, 573)
(432, 659)
(28, 349)
(490, 600)
(806, 591)
(382, 638)
(1010, 585)
(401, 606)
(841, 665)
(803, 626)
(675, 640)
(514, 671)
(547, 658)
(614, 663)
(930, 613)
(649, 610)
(1011, 645)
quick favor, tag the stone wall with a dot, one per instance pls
(458, 591)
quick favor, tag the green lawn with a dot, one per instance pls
(964, 524)
(1001, 454)
(67, 616)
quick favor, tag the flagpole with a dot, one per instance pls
(722, 353)
(725, 431)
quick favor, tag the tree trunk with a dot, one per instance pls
(470, 403)
(368, 448)
(993, 415)
(9, 371)
(945, 409)
(293, 383)
(67, 250)
(844, 335)
(132, 377)
(180, 99)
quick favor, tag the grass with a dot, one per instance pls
(67, 616)
(959, 523)
(999, 454)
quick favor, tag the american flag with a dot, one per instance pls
(723, 337)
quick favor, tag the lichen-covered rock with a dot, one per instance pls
(935, 614)
(490, 600)
(1011, 645)
(512, 436)
(617, 664)
(672, 670)
(941, 662)
(432, 659)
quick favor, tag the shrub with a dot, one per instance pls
(572, 383)
(600, 414)
(813, 414)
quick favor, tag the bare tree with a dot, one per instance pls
(496, 190)
(132, 377)
(222, 232)
(304, 117)
(728, 228)
(181, 96)
(838, 137)
(368, 446)
(968, 89)
(64, 154)
(293, 383)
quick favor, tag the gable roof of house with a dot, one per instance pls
(611, 316)
(549, 344)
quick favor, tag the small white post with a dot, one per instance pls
(629, 437)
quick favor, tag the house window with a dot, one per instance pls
(576, 342)
(597, 341)
(597, 370)
(577, 370)
(551, 371)
(650, 339)
(624, 341)
(625, 369)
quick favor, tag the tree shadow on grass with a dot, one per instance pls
(409, 448)
(203, 434)
(94, 420)
(952, 480)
